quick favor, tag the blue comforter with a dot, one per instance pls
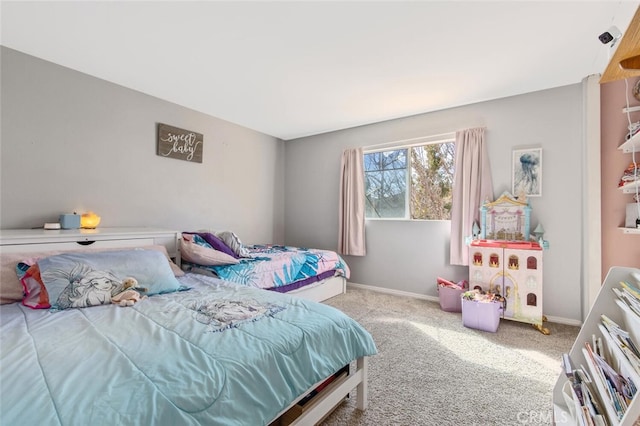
(218, 354)
(273, 266)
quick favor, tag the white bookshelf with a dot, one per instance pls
(606, 303)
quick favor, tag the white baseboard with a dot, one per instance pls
(392, 291)
(565, 321)
(558, 320)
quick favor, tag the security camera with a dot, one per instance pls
(611, 35)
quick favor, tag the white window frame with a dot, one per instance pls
(408, 144)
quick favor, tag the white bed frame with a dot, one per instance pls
(328, 399)
(322, 290)
(38, 240)
(317, 292)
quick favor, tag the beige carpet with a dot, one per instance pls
(431, 370)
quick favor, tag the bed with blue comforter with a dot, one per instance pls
(279, 268)
(208, 352)
(314, 274)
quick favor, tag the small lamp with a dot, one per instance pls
(89, 220)
(539, 232)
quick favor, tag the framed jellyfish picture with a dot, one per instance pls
(527, 172)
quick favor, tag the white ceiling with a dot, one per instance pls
(292, 69)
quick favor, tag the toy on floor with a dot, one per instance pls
(130, 294)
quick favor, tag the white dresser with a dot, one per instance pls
(31, 240)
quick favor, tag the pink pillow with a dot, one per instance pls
(11, 290)
(35, 293)
(205, 256)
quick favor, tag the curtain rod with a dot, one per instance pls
(430, 138)
(404, 141)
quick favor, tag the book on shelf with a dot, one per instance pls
(588, 406)
(621, 339)
(615, 389)
(603, 389)
(629, 299)
(632, 295)
(632, 288)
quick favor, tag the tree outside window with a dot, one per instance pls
(411, 182)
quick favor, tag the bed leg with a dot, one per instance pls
(361, 365)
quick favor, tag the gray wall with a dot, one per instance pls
(72, 142)
(408, 255)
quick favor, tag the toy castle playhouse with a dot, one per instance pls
(504, 259)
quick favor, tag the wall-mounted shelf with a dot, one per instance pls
(624, 56)
(630, 188)
(630, 230)
(631, 145)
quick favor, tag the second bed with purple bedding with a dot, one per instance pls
(279, 268)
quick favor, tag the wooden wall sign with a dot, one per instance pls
(181, 144)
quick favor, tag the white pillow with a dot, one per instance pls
(200, 255)
(234, 243)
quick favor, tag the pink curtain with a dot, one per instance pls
(472, 185)
(351, 216)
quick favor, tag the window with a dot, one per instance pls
(410, 182)
(385, 175)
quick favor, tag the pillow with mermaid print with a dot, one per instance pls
(78, 280)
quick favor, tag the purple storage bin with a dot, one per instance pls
(481, 315)
(450, 298)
